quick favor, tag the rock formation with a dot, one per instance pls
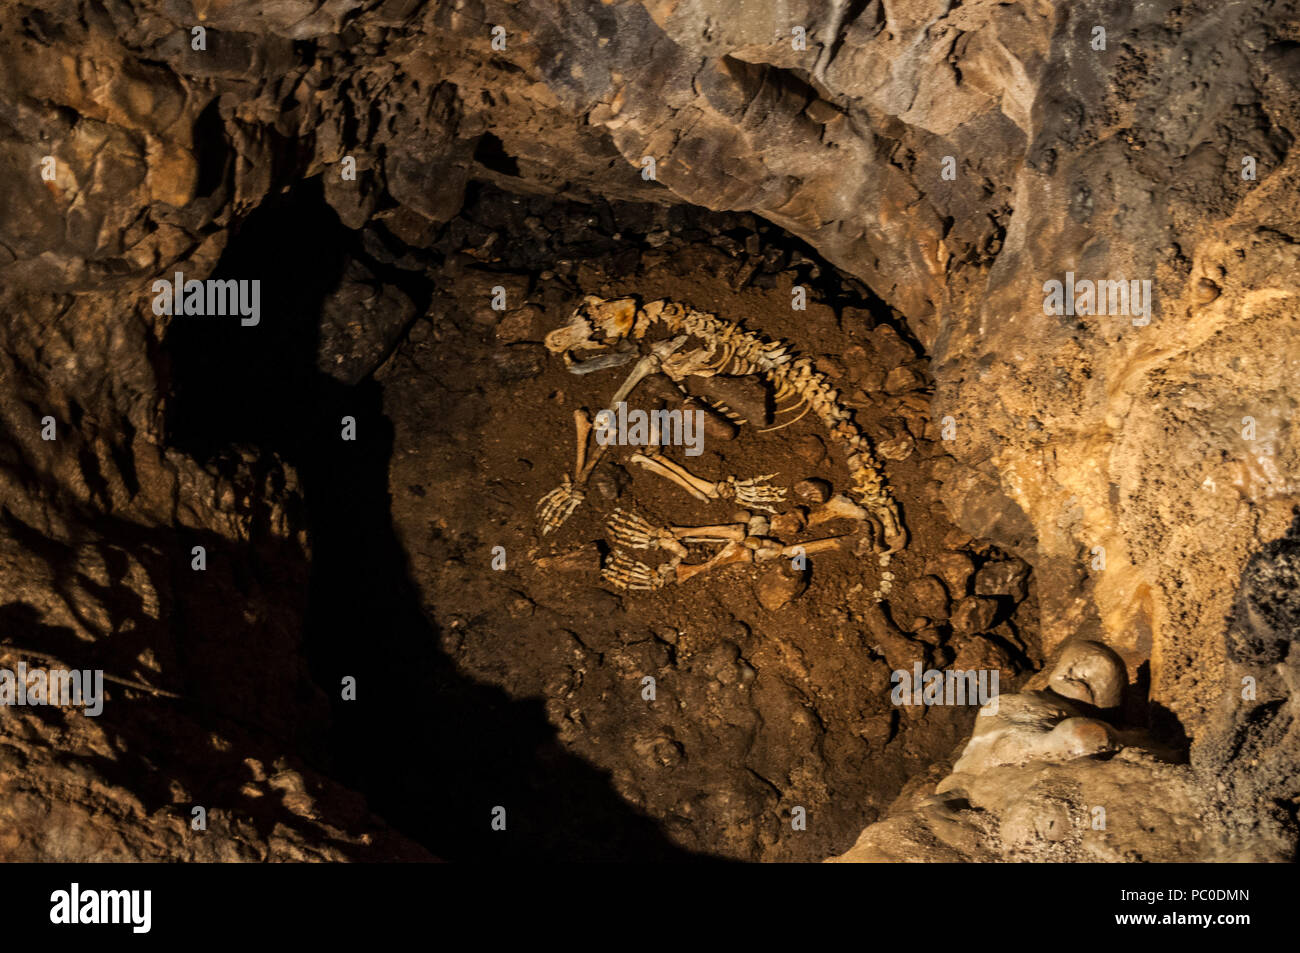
(953, 158)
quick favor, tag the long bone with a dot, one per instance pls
(754, 492)
(626, 573)
(558, 505)
(635, 532)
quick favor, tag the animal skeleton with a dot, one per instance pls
(599, 325)
(741, 546)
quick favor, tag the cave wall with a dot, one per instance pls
(1071, 433)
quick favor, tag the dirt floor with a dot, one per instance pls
(756, 712)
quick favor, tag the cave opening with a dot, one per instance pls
(494, 666)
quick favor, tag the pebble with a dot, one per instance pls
(809, 448)
(660, 387)
(896, 448)
(517, 325)
(903, 379)
(929, 597)
(813, 490)
(891, 349)
(973, 614)
(778, 587)
(746, 396)
(519, 361)
(955, 569)
(608, 480)
(716, 426)
(786, 526)
(1003, 578)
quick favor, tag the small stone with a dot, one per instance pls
(518, 325)
(746, 396)
(719, 661)
(660, 387)
(521, 607)
(786, 526)
(778, 587)
(931, 635)
(957, 539)
(871, 381)
(896, 448)
(813, 490)
(891, 349)
(903, 379)
(929, 597)
(977, 652)
(716, 426)
(955, 569)
(666, 633)
(973, 614)
(609, 480)
(830, 367)
(809, 448)
(1003, 578)
(667, 752)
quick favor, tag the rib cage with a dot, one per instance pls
(744, 352)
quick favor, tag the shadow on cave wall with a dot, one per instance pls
(1248, 755)
(432, 751)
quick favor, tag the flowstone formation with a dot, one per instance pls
(1048, 776)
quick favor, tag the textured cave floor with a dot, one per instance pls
(522, 688)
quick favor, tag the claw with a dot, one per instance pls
(624, 572)
(755, 492)
(558, 505)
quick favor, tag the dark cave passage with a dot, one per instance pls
(432, 750)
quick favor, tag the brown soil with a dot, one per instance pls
(755, 712)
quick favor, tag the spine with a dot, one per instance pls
(746, 352)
